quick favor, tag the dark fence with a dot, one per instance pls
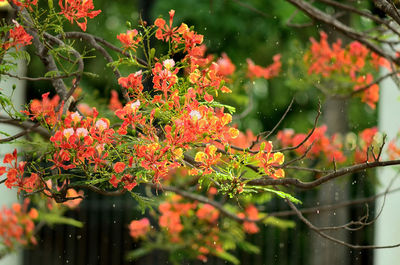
(105, 240)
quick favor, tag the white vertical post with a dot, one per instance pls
(387, 229)
(8, 196)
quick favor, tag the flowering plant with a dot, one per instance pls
(172, 136)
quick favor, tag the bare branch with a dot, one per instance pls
(41, 78)
(312, 184)
(315, 210)
(26, 125)
(317, 14)
(96, 189)
(92, 41)
(365, 14)
(20, 134)
(324, 235)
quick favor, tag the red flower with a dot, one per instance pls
(225, 65)
(129, 39)
(18, 38)
(78, 9)
(17, 226)
(45, 108)
(139, 228)
(25, 3)
(207, 212)
(114, 181)
(267, 72)
(119, 167)
(115, 104)
(132, 82)
(165, 32)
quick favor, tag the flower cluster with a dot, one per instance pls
(175, 215)
(256, 71)
(168, 32)
(17, 226)
(269, 161)
(251, 213)
(45, 110)
(78, 11)
(18, 38)
(366, 145)
(208, 158)
(24, 3)
(130, 39)
(351, 61)
(318, 143)
(15, 173)
(81, 142)
(139, 228)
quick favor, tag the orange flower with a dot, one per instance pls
(114, 101)
(139, 228)
(74, 201)
(25, 3)
(78, 11)
(119, 167)
(251, 213)
(256, 71)
(18, 38)
(268, 160)
(225, 65)
(165, 32)
(207, 212)
(130, 39)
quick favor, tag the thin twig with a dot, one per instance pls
(308, 135)
(280, 121)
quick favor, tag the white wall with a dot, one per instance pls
(387, 228)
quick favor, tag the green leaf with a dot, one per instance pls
(152, 53)
(280, 223)
(96, 181)
(21, 55)
(4, 133)
(51, 74)
(281, 194)
(227, 256)
(52, 219)
(137, 253)
(50, 3)
(248, 247)
(91, 75)
(230, 109)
